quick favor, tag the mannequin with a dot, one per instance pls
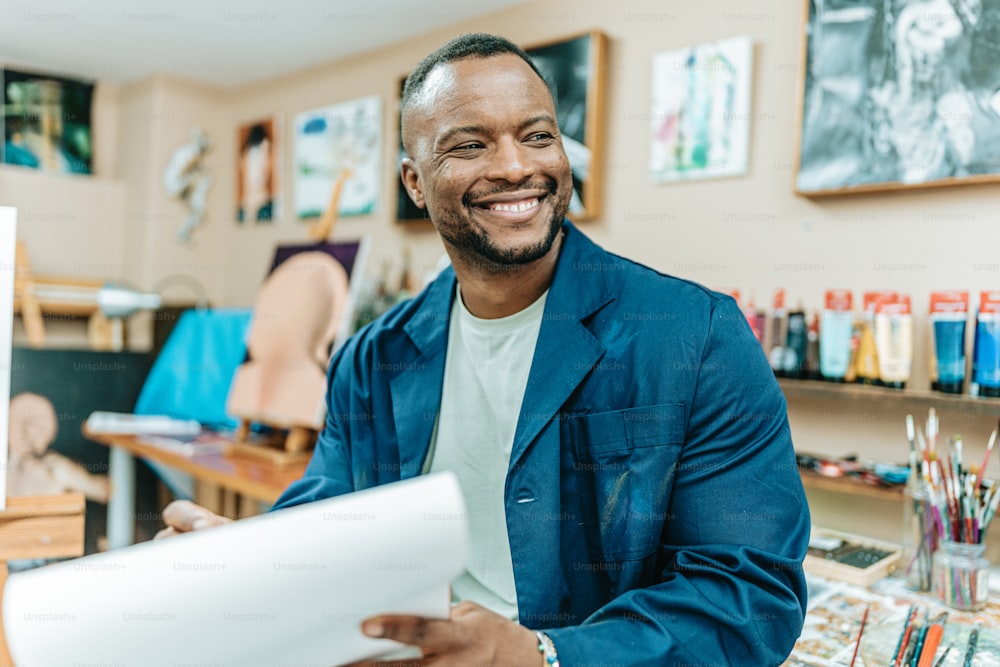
(295, 320)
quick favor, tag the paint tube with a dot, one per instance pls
(778, 331)
(796, 344)
(949, 312)
(811, 371)
(986, 350)
(866, 361)
(757, 319)
(835, 335)
(894, 341)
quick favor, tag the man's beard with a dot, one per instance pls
(476, 244)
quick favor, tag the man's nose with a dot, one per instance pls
(511, 162)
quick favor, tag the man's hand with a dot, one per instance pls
(183, 516)
(472, 635)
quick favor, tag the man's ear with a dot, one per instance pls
(411, 181)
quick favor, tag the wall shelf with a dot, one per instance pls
(850, 485)
(919, 400)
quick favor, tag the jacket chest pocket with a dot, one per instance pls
(624, 462)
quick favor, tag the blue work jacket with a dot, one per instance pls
(654, 508)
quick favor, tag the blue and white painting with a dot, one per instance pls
(338, 141)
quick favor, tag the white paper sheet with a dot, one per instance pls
(286, 588)
(8, 245)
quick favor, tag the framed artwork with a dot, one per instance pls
(46, 122)
(258, 170)
(899, 94)
(406, 210)
(700, 118)
(340, 141)
(574, 69)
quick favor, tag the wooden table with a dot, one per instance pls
(834, 617)
(249, 477)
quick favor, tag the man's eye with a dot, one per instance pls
(540, 136)
(472, 145)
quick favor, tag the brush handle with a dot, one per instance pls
(931, 642)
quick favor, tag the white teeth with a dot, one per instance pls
(515, 208)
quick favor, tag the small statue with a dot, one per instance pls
(187, 178)
(35, 471)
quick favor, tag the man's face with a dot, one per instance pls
(487, 160)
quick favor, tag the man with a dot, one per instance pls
(619, 436)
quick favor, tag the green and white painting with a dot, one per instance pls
(701, 111)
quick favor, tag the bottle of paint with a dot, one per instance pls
(796, 344)
(757, 319)
(894, 341)
(812, 371)
(986, 349)
(948, 314)
(835, 334)
(777, 333)
(867, 367)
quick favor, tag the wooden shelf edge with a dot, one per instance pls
(819, 389)
(20, 507)
(849, 485)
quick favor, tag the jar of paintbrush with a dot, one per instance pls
(920, 535)
(964, 504)
(961, 575)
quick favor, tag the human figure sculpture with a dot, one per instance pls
(295, 320)
(33, 470)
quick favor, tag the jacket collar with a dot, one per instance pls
(564, 354)
(566, 349)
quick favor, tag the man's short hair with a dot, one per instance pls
(472, 45)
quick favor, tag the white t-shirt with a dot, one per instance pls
(485, 375)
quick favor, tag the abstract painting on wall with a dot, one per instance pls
(258, 171)
(46, 122)
(701, 111)
(899, 95)
(340, 143)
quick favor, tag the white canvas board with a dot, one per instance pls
(8, 245)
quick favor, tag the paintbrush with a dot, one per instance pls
(944, 656)
(902, 635)
(904, 645)
(864, 619)
(970, 650)
(986, 459)
(931, 641)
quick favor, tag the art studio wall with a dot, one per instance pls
(748, 232)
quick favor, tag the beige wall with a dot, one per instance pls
(748, 232)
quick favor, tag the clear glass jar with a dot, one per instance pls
(920, 535)
(961, 576)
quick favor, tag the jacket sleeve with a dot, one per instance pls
(730, 589)
(329, 472)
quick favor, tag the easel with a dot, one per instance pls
(38, 527)
(24, 298)
(321, 231)
(30, 302)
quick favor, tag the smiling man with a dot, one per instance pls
(619, 437)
